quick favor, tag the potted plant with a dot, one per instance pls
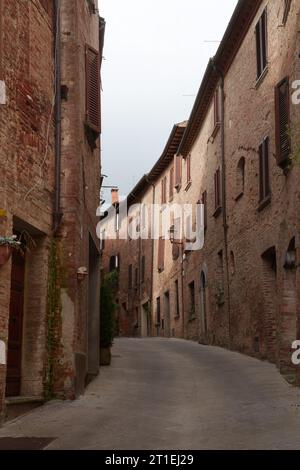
(107, 320)
(7, 244)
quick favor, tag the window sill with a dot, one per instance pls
(189, 184)
(260, 79)
(264, 203)
(217, 212)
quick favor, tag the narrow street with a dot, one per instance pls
(172, 394)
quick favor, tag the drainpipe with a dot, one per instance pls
(57, 216)
(224, 196)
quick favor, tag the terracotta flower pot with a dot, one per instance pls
(5, 254)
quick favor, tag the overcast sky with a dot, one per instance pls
(155, 54)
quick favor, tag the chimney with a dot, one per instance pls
(114, 196)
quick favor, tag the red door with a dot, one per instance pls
(14, 356)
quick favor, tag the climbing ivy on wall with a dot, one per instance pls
(53, 317)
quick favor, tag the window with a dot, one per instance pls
(282, 113)
(136, 277)
(178, 171)
(130, 276)
(102, 240)
(204, 202)
(117, 219)
(218, 203)
(143, 269)
(264, 185)
(240, 178)
(158, 312)
(161, 254)
(92, 71)
(261, 44)
(286, 11)
(177, 308)
(188, 170)
(171, 187)
(164, 190)
(192, 300)
(217, 113)
(114, 263)
(124, 307)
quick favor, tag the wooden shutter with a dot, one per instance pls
(161, 254)
(171, 187)
(261, 43)
(287, 7)
(188, 169)
(92, 71)
(178, 170)
(282, 113)
(264, 182)
(164, 190)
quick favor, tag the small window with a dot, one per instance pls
(136, 277)
(261, 44)
(218, 203)
(114, 263)
(102, 240)
(282, 105)
(188, 170)
(240, 178)
(264, 183)
(161, 254)
(178, 171)
(164, 190)
(171, 186)
(286, 10)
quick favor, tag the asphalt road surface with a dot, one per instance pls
(172, 394)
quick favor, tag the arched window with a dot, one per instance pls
(240, 178)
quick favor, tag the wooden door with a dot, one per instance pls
(14, 356)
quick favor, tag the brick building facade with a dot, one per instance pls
(238, 156)
(50, 51)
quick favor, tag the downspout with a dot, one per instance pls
(57, 216)
(224, 196)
